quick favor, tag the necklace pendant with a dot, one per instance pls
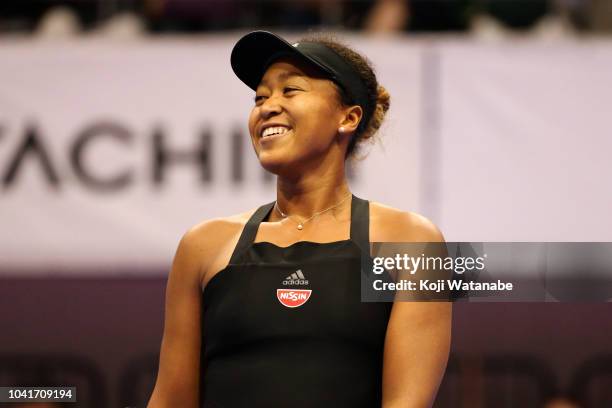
(300, 226)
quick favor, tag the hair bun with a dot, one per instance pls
(383, 99)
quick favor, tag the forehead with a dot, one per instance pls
(284, 68)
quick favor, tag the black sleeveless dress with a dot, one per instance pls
(285, 327)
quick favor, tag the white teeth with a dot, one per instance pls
(273, 131)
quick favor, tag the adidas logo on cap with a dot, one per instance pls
(296, 278)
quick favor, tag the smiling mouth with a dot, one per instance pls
(273, 133)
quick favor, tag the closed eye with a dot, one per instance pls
(259, 98)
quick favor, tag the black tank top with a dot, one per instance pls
(285, 326)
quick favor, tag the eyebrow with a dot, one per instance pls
(283, 76)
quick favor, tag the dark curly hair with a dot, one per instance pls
(377, 94)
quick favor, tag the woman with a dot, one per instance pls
(263, 308)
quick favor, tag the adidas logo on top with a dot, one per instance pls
(296, 278)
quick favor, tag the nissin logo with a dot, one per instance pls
(293, 297)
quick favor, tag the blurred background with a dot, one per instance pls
(196, 16)
(122, 125)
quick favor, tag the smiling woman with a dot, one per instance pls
(263, 308)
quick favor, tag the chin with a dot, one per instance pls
(273, 166)
(276, 164)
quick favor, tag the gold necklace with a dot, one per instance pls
(300, 225)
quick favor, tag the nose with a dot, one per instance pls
(270, 107)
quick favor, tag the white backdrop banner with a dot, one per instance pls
(110, 151)
(524, 142)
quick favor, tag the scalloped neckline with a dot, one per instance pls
(271, 244)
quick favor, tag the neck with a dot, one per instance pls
(311, 193)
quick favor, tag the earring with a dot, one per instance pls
(341, 130)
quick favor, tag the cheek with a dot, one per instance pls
(252, 121)
(321, 119)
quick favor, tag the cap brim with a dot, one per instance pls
(254, 52)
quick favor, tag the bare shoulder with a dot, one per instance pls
(388, 224)
(211, 231)
(206, 243)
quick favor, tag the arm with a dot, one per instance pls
(418, 336)
(416, 352)
(178, 376)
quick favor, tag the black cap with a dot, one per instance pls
(256, 51)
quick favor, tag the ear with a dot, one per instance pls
(350, 120)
